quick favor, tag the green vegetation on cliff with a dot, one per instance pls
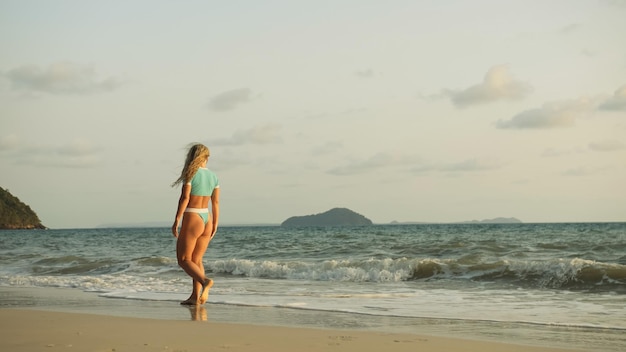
(333, 217)
(16, 215)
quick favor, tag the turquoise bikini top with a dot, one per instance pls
(203, 182)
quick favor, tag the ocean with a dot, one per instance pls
(558, 281)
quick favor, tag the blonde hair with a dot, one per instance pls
(197, 154)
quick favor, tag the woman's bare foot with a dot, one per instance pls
(206, 286)
(189, 302)
(205, 295)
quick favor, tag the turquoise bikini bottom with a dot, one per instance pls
(203, 212)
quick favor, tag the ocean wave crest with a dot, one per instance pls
(557, 273)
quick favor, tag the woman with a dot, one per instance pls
(200, 186)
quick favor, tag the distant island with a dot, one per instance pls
(499, 220)
(333, 217)
(15, 215)
(493, 221)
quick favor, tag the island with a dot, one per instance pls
(333, 217)
(500, 220)
(15, 215)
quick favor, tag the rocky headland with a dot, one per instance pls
(15, 215)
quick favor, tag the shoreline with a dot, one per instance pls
(25, 307)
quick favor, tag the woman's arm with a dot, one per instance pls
(182, 205)
(215, 209)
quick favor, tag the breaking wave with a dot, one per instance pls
(557, 273)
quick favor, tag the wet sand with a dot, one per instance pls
(39, 330)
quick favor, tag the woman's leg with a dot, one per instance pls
(191, 229)
(198, 253)
(197, 286)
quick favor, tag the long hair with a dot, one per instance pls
(196, 155)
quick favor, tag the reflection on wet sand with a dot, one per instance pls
(198, 312)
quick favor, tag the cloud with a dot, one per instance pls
(607, 146)
(617, 101)
(377, 161)
(60, 78)
(579, 171)
(265, 134)
(469, 165)
(77, 148)
(79, 153)
(551, 152)
(550, 115)
(229, 100)
(498, 84)
(413, 164)
(587, 53)
(369, 73)
(619, 3)
(587, 171)
(570, 28)
(328, 148)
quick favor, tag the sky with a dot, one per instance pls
(429, 111)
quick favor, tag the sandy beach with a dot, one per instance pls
(51, 319)
(37, 330)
